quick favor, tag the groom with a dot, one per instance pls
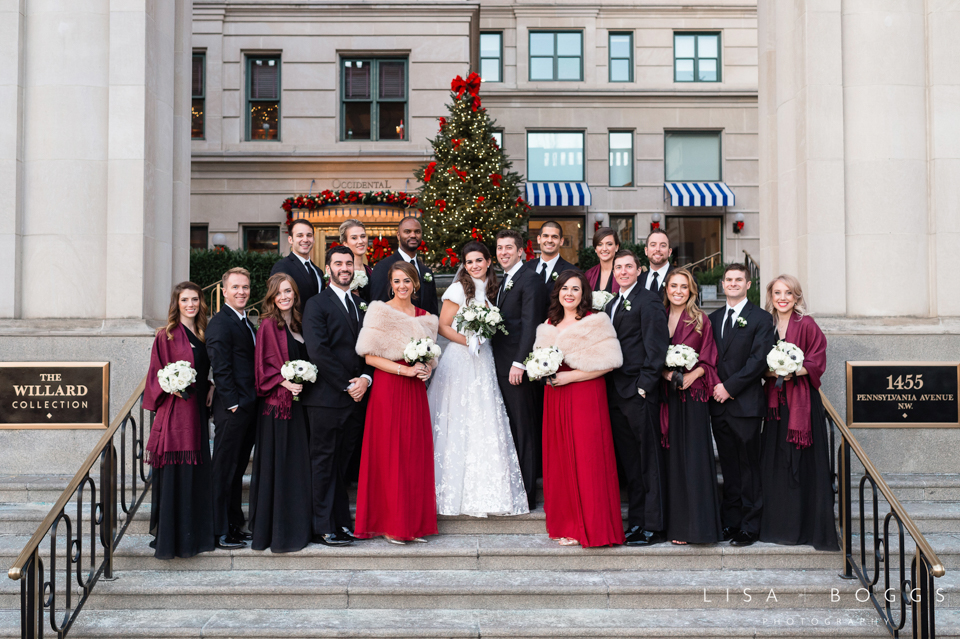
(522, 302)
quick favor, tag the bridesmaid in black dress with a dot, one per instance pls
(280, 498)
(181, 517)
(606, 243)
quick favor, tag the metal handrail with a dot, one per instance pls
(711, 259)
(216, 294)
(752, 265)
(918, 590)
(38, 594)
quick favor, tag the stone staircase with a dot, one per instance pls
(495, 577)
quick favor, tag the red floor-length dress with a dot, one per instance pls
(396, 495)
(581, 494)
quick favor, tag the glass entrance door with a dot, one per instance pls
(694, 238)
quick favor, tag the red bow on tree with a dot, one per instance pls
(456, 142)
(477, 235)
(460, 174)
(451, 259)
(428, 172)
(495, 178)
(423, 247)
(529, 250)
(443, 122)
(471, 85)
(520, 202)
(480, 199)
(440, 204)
(476, 102)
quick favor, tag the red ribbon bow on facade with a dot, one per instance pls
(471, 85)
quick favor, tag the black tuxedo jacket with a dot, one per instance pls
(644, 338)
(742, 361)
(306, 285)
(380, 287)
(558, 268)
(642, 280)
(523, 308)
(330, 335)
(230, 347)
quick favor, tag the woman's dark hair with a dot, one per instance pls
(270, 310)
(173, 314)
(603, 233)
(466, 280)
(556, 312)
(407, 269)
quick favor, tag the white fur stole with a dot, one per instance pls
(387, 331)
(589, 345)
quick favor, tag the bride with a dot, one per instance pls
(476, 467)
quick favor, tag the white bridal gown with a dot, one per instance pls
(476, 467)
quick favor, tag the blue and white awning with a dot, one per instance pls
(699, 194)
(558, 194)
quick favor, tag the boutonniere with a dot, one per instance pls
(626, 304)
(554, 276)
(741, 322)
(508, 286)
(428, 277)
(363, 306)
(326, 276)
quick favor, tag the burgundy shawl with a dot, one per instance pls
(175, 435)
(270, 355)
(701, 389)
(795, 392)
(593, 276)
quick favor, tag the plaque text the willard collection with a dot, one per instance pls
(54, 394)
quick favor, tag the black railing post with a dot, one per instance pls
(31, 606)
(845, 508)
(108, 497)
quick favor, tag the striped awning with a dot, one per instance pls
(699, 194)
(558, 194)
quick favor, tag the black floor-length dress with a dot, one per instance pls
(280, 498)
(181, 517)
(797, 483)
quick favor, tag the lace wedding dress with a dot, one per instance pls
(476, 467)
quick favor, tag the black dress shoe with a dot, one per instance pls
(744, 539)
(730, 532)
(633, 534)
(345, 534)
(228, 542)
(238, 533)
(330, 539)
(648, 538)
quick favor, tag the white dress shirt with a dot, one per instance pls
(313, 268)
(507, 278)
(736, 314)
(547, 265)
(623, 295)
(661, 273)
(410, 260)
(354, 313)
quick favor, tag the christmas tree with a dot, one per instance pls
(468, 191)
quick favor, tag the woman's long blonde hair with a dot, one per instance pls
(694, 314)
(800, 308)
(173, 315)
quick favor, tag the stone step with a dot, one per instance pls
(258, 623)
(929, 516)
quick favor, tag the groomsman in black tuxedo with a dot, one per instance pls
(522, 300)
(298, 264)
(336, 404)
(658, 252)
(744, 334)
(230, 342)
(409, 237)
(633, 391)
(549, 265)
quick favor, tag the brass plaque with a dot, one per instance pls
(54, 395)
(903, 394)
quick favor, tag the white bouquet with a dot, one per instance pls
(298, 371)
(784, 359)
(680, 357)
(543, 362)
(176, 378)
(420, 350)
(601, 299)
(360, 280)
(479, 322)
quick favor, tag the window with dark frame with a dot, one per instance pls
(261, 239)
(263, 98)
(199, 236)
(556, 56)
(498, 137)
(621, 158)
(696, 57)
(623, 226)
(692, 156)
(374, 99)
(621, 57)
(555, 156)
(491, 56)
(199, 81)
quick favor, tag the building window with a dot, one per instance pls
(696, 57)
(692, 156)
(556, 55)
(197, 131)
(621, 57)
(261, 239)
(555, 156)
(199, 236)
(621, 158)
(491, 57)
(263, 98)
(623, 227)
(374, 99)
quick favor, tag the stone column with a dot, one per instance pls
(11, 156)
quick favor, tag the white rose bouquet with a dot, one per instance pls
(601, 299)
(360, 280)
(543, 362)
(420, 350)
(177, 378)
(479, 322)
(298, 371)
(784, 359)
(680, 357)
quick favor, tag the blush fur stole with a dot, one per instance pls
(387, 331)
(590, 345)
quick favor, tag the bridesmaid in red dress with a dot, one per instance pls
(581, 493)
(396, 496)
